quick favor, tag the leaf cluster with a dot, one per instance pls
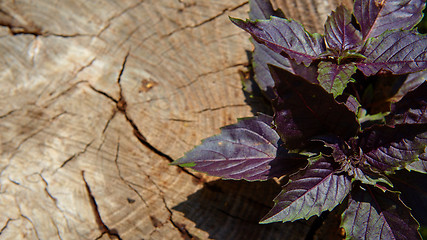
(350, 110)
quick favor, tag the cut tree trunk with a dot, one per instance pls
(98, 97)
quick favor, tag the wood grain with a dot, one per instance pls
(98, 97)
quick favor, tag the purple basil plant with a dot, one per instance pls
(349, 117)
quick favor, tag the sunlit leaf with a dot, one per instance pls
(398, 52)
(377, 16)
(340, 34)
(309, 193)
(262, 9)
(334, 78)
(247, 150)
(284, 36)
(263, 56)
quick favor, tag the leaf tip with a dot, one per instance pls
(237, 21)
(190, 164)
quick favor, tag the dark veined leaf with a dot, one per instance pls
(374, 214)
(352, 104)
(262, 56)
(334, 78)
(348, 155)
(304, 110)
(310, 192)
(399, 52)
(391, 148)
(247, 150)
(377, 16)
(411, 109)
(412, 81)
(340, 34)
(413, 188)
(262, 9)
(420, 165)
(367, 176)
(286, 37)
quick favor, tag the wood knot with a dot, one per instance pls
(121, 105)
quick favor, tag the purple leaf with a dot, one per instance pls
(373, 214)
(420, 165)
(247, 150)
(377, 16)
(309, 193)
(391, 148)
(398, 52)
(304, 110)
(413, 188)
(352, 104)
(334, 78)
(262, 9)
(367, 176)
(412, 81)
(340, 35)
(411, 109)
(285, 37)
(262, 56)
(348, 155)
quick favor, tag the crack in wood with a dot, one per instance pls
(206, 20)
(76, 155)
(180, 227)
(102, 226)
(55, 200)
(222, 107)
(240, 219)
(119, 14)
(122, 178)
(31, 222)
(180, 120)
(8, 113)
(198, 77)
(103, 93)
(122, 107)
(16, 27)
(6, 225)
(109, 120)
(54, 98)
(47, 191)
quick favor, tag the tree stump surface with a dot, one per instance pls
(98, 97)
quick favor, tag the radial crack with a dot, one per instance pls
(121, 177)
(102, 226)
(206, 20)
(180, 227)
(76, 155)
(6, 225)
(122, 107)
(109, 20)
(198, 77)
(103, 93)
(32, 224)
(221, 107)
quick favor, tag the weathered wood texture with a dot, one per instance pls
(98, 97)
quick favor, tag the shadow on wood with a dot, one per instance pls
(229, 209)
